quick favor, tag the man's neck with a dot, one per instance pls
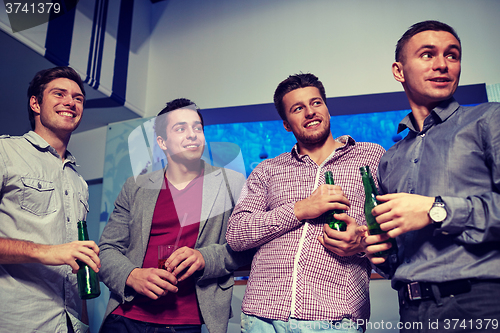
(180, 175)
(60, 144)
(421, 111)
(319, 153)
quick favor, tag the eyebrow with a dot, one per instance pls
(181, 123)
(65, 90)
(430, 46)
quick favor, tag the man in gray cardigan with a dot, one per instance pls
(188, 204)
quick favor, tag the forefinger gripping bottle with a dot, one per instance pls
(370, 203)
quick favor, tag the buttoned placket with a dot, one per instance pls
(68, 198)
(297, 269)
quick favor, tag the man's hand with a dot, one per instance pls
(402, 212)
(324, 198)
(370, 246)
(15, 251)
(182, 259)
(152, 282)
(343, 243)
(85, 251)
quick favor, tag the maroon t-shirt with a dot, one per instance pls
(176, 220)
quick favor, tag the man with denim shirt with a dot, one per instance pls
(442, 193)
(305, 274)
(42, 197)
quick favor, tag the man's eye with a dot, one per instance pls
(426, 56)
(297, 109)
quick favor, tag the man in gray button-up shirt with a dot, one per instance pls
(42, 197)
(443, 185)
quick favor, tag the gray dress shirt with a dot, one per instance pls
(455, 156)
(41, 200)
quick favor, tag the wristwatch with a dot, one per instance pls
(437, 213)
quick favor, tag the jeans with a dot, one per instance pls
(120, 324)
(253, 324)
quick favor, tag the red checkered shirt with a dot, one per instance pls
(292, 274)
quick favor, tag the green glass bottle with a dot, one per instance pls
(88, 281)
(370, 203)
(330, 219)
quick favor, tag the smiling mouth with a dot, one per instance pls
(191, 146)
(66, 114)
(440, 80)
(313, 123)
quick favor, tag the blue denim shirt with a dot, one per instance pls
(455, 156)
(42, 199)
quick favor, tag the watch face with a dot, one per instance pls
(437, 213)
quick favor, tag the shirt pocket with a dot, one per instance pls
(39, 197)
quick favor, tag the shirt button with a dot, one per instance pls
(39, 185)
(422, 135)
(66, 192)
(67, 219)
(415, 160)
(412, 191)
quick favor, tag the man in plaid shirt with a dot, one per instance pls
(305, 275)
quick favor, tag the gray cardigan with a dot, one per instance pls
(125, 238)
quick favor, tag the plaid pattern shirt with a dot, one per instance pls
(292, 274)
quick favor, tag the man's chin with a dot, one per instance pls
(314, 140)
(187, 157)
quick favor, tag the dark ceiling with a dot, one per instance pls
(18, 65)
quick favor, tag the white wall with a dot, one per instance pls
(235, 52)
(89, 147)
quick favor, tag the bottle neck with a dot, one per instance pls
(82, 231)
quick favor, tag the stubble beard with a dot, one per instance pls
(315, 138)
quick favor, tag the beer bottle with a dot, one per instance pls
(330, 219)
(370, 203)
(88, 281)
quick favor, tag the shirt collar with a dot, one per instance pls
(37, 141)
(346, 140)
(443, 111)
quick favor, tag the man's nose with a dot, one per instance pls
(440, 64)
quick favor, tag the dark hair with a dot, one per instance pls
(179, 103)
(44, 77)
(293, 82)
(421, 27)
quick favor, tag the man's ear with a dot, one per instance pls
(161, 143)
(35, 106)
(287, 126)
(397, 71)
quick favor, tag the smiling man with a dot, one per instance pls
(305, 274)
(442, 193)
(187, 205)
(42, 197)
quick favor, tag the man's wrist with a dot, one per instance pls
(298, 210)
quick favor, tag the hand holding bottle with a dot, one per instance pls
(88, 281)
(371, 202)
(344, 243)
(323, 199)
